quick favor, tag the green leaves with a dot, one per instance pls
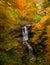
(37, 18)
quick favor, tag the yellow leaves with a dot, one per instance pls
(38, 26)
(44, 19)
(30, 3)
(48, 10)
(34, 39)
(48, 40)
(30, 8)
(27, 8)
(11, 45)
(12, 16)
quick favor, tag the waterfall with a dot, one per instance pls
(25, 39)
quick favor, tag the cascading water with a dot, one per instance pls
(25, 39)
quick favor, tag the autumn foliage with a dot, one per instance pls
(14, 14)
(20, 4)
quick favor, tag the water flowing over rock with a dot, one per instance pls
(25, 32)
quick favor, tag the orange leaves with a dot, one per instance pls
(20, 4)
